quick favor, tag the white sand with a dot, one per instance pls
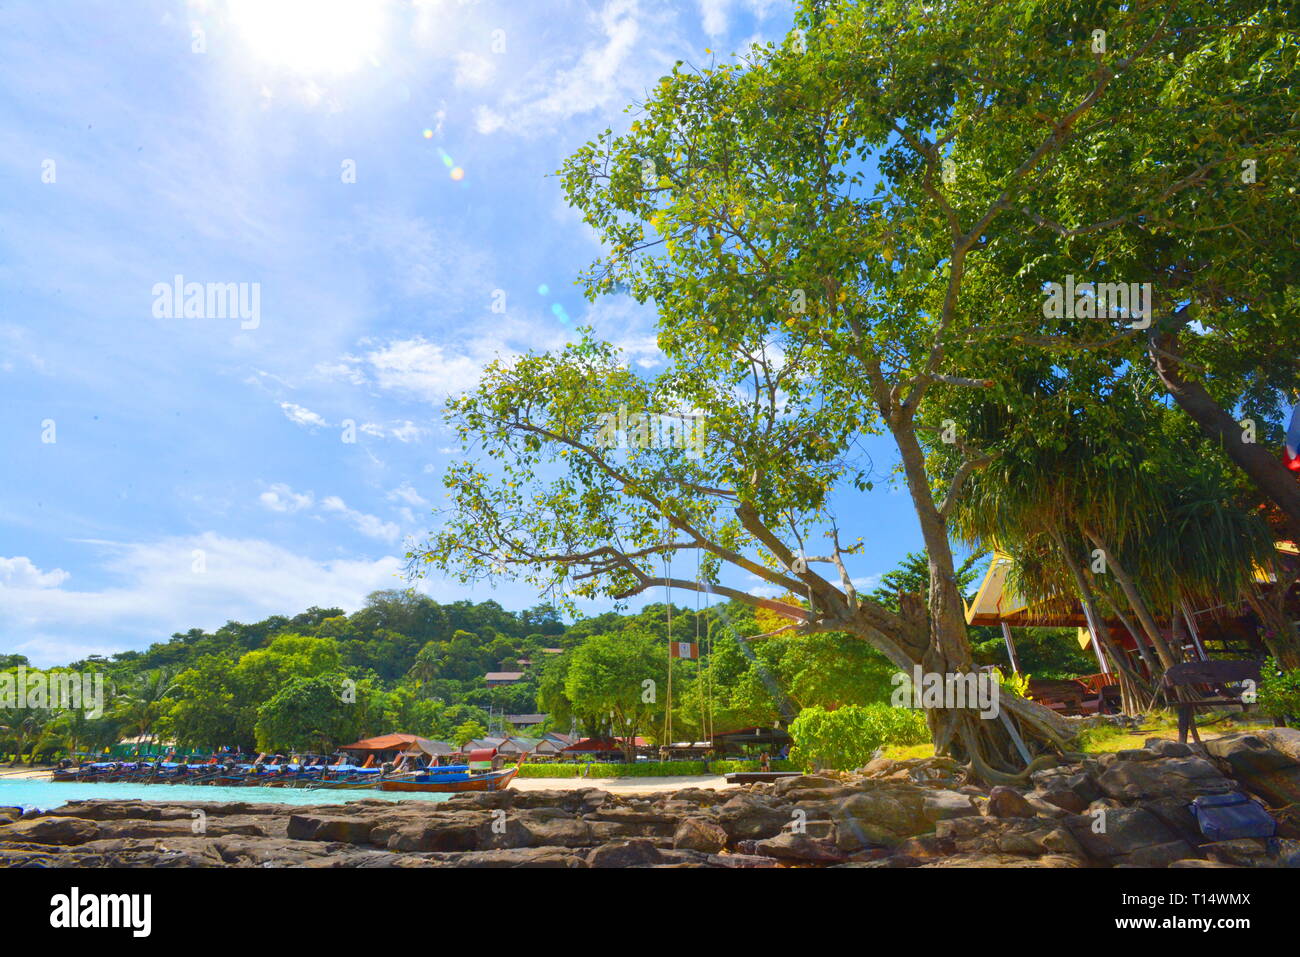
(623, 785)
(27, 774)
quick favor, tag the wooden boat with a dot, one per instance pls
(454, 783)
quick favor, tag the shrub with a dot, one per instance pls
(845, 738)
(1279, 691)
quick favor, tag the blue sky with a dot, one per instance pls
(198, 471)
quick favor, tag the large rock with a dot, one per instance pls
(459, 832)
(801, 848)
(625, 854)
(1008, 802)
(1119, 832)
(881, 818)
(1155, 777)
(347, 830)
(695, 834)
(750, 816)
(50, 830)
(1265, 763)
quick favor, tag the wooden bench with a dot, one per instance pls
(1209, 680)
(1065, 696)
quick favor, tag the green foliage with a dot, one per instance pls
(845, 739)
(1017, 684)
(467, 731)
(307, 713)
(1279, 691)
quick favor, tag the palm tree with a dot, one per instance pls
(143, 702)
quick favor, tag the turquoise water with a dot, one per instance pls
(45, 795)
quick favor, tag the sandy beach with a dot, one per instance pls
(624, 785)
(25, 774)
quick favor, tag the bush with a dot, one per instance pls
(845, 738)
(1279, 692)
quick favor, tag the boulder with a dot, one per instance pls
(66, 831)
(1169, 749)
(696, 834)
(1008, 802)
(748, 816)
(803, 782)
(1157, 855)
(1119, 832)
(801, 848)
(887, 816)
(942, 805)
(1156, 777)
(625, 854)
(346, 830)
(1264, 765)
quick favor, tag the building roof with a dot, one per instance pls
(406, 743)
(503, 676)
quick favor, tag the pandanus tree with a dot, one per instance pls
(1108, 498)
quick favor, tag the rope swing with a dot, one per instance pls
(668, 600)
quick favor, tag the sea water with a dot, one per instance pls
(46, 795)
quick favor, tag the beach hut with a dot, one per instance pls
(395, 747)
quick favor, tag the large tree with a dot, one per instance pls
(795, 218)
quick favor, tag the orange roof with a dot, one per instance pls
(387, 742)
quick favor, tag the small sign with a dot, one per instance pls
(684, 649)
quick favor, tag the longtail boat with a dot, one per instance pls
(453, 780)
(456, 779)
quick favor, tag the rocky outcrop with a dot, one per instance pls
(1128, 809)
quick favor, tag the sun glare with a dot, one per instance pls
(311, 36)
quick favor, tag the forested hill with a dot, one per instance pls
(384, 637)
(408, 663)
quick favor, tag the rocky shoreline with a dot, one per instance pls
(890, 814)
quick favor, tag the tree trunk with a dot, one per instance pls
(1264, 468)
(1023, 736)
(1279, 632)
(1137, 696)
(1137, 603)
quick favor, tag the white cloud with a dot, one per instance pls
(405, 493)
(368, 525)
(626, 50)
(21, 572)
(281, 498)
(301, 416)
(714, 16)
(473, 70)
(157, 591)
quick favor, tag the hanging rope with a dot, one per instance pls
(699, 651)
(668, 601)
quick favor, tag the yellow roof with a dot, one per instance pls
(992, 600)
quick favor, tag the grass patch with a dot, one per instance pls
(908, 752)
